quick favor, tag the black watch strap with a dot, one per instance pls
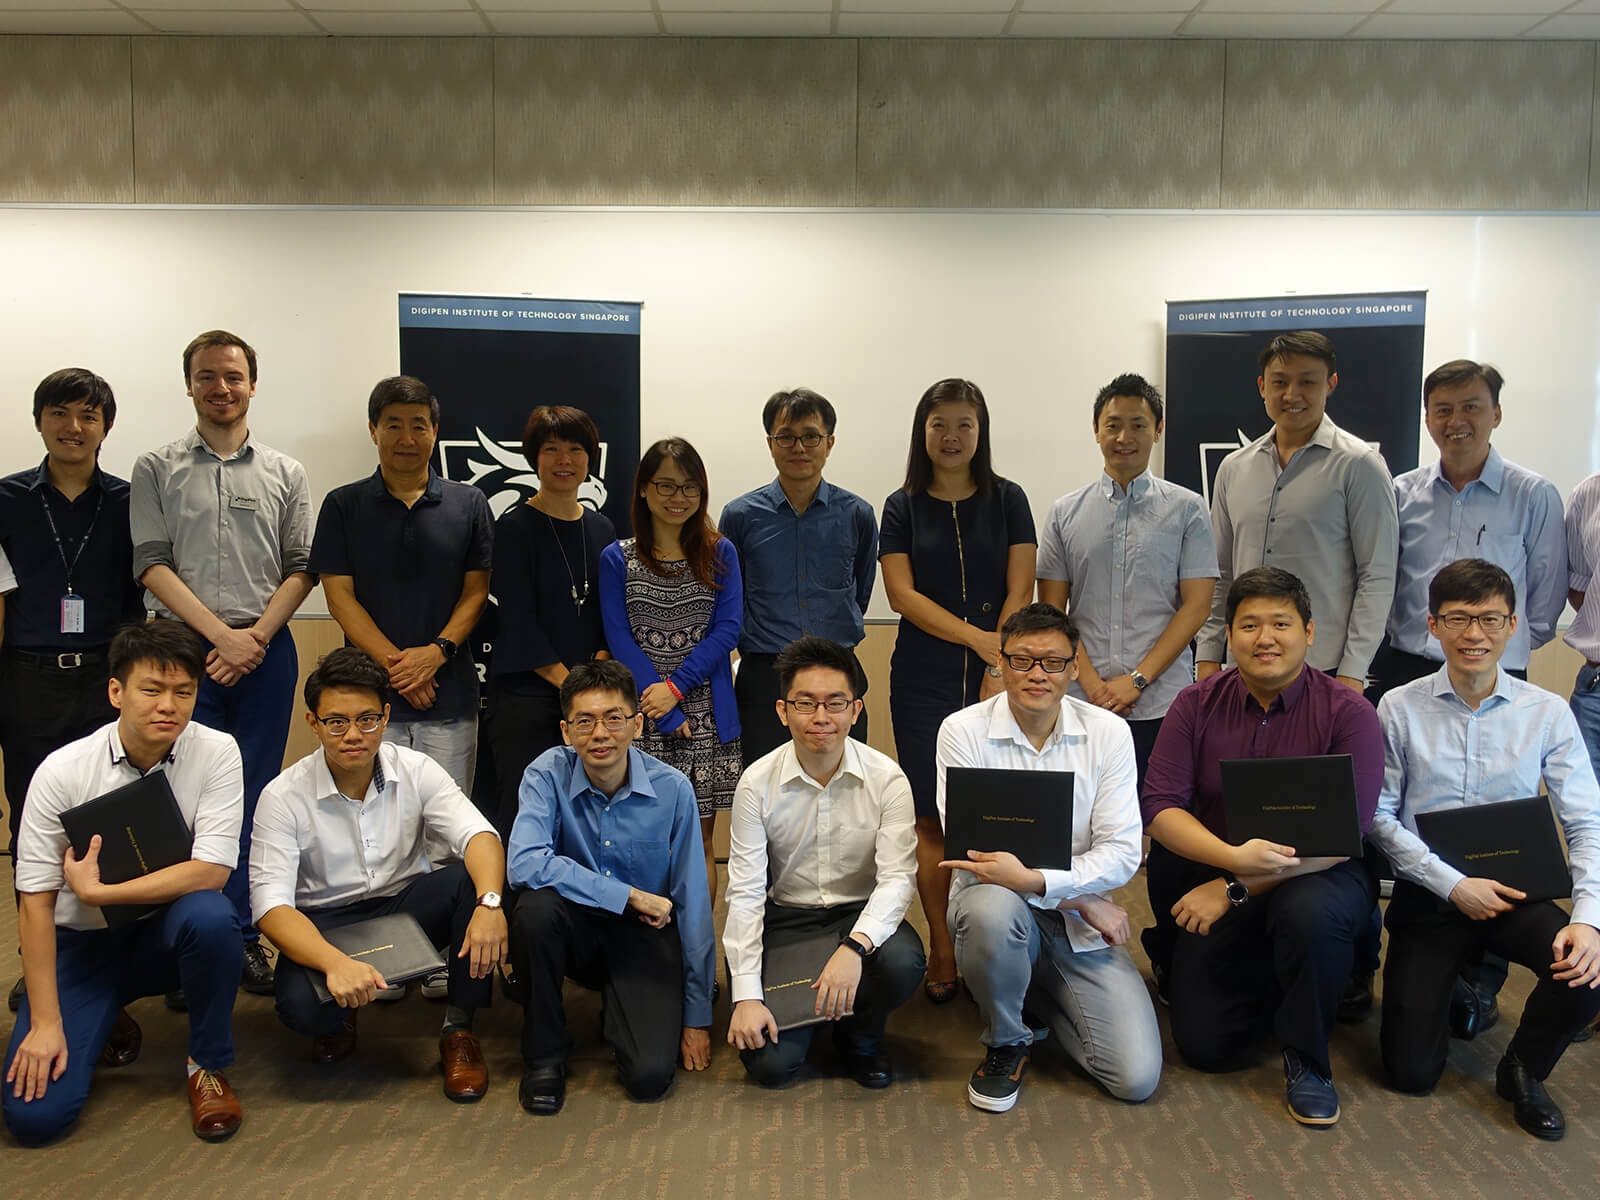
(447, 646)
(847, 940)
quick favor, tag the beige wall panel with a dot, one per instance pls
(313, 637)
(1429, 125)
(66, 120)
(313, 121)
(1040, 124)
(675, 121)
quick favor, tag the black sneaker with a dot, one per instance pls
(256, 978)
(994, 1086)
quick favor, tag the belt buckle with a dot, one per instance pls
(69, 661)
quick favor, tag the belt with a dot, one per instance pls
(67, 660)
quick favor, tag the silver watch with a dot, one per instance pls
(1139, 681)
(489, 900)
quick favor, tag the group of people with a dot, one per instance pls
(145, 628)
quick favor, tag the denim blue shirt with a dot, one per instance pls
(1508, 515)
(593, 850)
(1122, 553)
(804, 573)
(1440, 754)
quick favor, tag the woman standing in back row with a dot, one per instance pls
(957, 550)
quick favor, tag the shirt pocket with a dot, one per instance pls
(855, 848)
(1156, 552)
(648, 861)
(832, 567)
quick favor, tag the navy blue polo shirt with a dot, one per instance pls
(407, 566)
(103, 574)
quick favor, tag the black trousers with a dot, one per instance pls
(42, 708)
(638, 971)
(889, 978)
(442, 901)
(1429, 941)
(1144, 741)
(1281, 961)
(756, 692)
(522, 726)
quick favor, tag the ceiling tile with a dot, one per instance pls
(747, 24)
(1458, 7)
(1110, 8)
(1300, 6)
(379, 6)
(975, 25)
(571, 8)
(745, 6)
(45, 6)
(926, 6)
(1456, 28)
(1095, 25)
(215, 6)
(1271, 25)
(231, 24)
(412, 24)
(575, 24)
(108, 21)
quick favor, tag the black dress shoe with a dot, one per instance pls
(1530, 1103)
(1471, 1010)
(122, 1044)
(177, 1001)
(256, 975)
(1355, 1006)
(543, 1090)
(872, 1070)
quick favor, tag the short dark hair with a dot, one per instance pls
(795, 404)
(1039, 617)
(563, 422)
(1128, 385)
(401, 389)
(163, 641)
(1470, 581)
(1272, 582)
(601, 675)
(218, 337)
(1463, 370)
(1305, 341)
(349, 668)
(802, 654)
(71, 385)
(919, 467)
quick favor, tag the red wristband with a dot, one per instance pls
(673, 688)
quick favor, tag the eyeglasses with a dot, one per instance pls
(1490, 622)
(787, 440)
(665, 487)
(833, 704)
(1053, 664)
(338, 726)
(614, 722)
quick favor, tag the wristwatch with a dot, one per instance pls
(447, 646)
(1139, 681)
(993, 672)
(489, 900)
(1237, 892)
(847, 940)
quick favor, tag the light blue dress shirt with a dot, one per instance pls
(593, 850)
(1441, 754)
(1122, 554)
(1509, 516)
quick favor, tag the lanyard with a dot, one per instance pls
(55, 533)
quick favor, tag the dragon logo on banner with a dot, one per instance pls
(503, 474)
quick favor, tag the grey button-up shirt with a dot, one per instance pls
(232, 528)
(1328, 517)
(1122, 555)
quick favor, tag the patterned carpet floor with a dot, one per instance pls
(378, 1125)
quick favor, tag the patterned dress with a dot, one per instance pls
(668, 615)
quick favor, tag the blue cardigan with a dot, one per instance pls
(708, 660)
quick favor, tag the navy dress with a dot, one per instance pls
(958, 552)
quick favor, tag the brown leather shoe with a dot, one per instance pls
(341, 1045)
(122, 1046)
(215, 1108)
(466, 1075)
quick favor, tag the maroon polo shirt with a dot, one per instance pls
(1218, 718)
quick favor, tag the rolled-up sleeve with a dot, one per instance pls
(147, 522)
(274, 854)
(1374, 524)
(219, 810)
(295, 527)
(451, 819)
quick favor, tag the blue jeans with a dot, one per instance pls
(1095, 1001)
(192, 943)
(1586, 707)
(256, 711)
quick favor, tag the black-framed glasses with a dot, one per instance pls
(787, 440)
(668, 489)
(1053, 664)
(338, 726)
(1489, 622)
(614, 722)
(833, 704)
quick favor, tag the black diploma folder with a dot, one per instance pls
(787, 973)
(1308, 803)
(1512, 841)
(395, 945)
(1027, 813)
(141, 830)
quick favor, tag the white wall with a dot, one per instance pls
(866, 307)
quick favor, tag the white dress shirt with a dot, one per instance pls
(822, 846)
(207, 779)
(314, 847)
(8, 579)
(1097, 747)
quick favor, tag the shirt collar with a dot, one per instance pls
(1286, 699)
(119, 754)
(1140, 485)
(1502, 685)
(790, 770)
(1323, 435)
(1003, 725)
(41, 477)
(637, 783)
(328, 789)
(1493, 475)
(776, 496)
(195, 442)
(432, 494)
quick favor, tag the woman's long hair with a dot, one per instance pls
(919, 467)
(699, 537)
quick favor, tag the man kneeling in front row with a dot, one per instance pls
(344, 835)
(1471, 734)
(607, 844)
(79, 971)
(829, 822)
